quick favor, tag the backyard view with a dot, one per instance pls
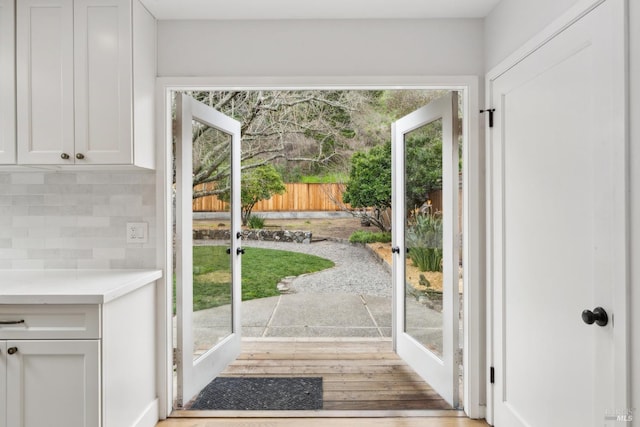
(338, 144)
(285, 220)
(315, 203)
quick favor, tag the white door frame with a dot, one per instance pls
(474, 209)
(621, 303)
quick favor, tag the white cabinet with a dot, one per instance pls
(7, 83)
(52, 383)
(79, 365)
(50, 365)
(85, 76)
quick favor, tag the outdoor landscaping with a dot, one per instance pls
(314, 151)
(262, 269)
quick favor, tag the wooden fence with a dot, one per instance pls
(300, 197)
(297, 197)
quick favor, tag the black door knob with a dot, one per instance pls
(598, 316)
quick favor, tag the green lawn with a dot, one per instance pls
(262, 269)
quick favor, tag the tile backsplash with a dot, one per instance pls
(75, 219)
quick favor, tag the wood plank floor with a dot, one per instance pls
(357, 374)
(364, 382)
(324, 422)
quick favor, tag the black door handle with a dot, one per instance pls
(598, 315)
(240, 251)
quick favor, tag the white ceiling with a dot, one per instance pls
(319, 9)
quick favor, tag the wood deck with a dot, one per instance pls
(364, 383)
(358, 374)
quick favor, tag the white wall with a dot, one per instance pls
(512, 23)
(75, 220)
(321, 48)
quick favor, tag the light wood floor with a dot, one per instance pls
(324, 422)
(357, 374)
(364, 384)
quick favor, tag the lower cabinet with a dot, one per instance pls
(52, 383)
(79, 365)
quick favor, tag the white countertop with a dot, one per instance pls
(71, 286)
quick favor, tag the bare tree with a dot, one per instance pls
(292, 126)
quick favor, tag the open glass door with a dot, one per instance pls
(208, 320)
(425, 230)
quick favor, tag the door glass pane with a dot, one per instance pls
(212, 320)
(424, 235)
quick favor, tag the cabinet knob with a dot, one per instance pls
(12, 350)
(79, 156)
(64, 156)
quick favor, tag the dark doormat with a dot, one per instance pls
(260, 394)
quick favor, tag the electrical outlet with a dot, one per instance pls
(137, 232)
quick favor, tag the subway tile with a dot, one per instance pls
(13, 210)
(60, 221)
(60, 189)
(109, 253)
(59, 263)
(61, 178)
(27, 178)
(9, 232)
(59, 253)
(93, 221)
(28, 243)
(27, 200)
(91, 232)
(28, 221)
(43, 232)
(13, 253)
(75, 220)
(102, 264)
(76, 253)
(13, 189)
(27, 264)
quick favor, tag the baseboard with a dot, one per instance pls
(149, 417)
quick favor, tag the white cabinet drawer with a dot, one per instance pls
(44, 321)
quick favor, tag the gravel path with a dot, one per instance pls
(356, 269)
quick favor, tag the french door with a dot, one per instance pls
(426, 307)
(208, 339)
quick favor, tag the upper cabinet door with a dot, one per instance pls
(75, 86)
(7, 83)
(103, 82)
(44, 40)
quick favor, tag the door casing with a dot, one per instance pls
(474, 208)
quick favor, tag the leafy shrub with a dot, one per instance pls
(255, 222)
(424, 240)
(361, 236)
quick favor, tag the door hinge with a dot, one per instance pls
(490, 111)
(492, 375)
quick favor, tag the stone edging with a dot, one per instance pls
(254, 234)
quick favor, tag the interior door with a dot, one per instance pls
(208, 320)
(558, 226)
(426, 315)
